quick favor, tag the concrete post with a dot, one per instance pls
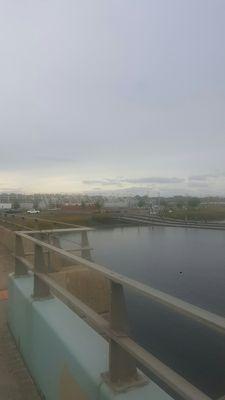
(20, 268)
(41, 290)
(122, 366)
(85, 252)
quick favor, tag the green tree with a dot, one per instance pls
(98, 204)
(83, 204)
(141, 202)
(15, 205)
(194, 202)
(180, 204)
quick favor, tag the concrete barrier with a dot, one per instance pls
(7, 238)
(65, 356)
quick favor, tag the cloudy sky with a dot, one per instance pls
(112, 95)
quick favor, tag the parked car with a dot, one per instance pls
(12, 211)
(33, 212)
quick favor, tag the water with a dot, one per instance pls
(187, 263)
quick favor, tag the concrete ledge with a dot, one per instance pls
(64, 355)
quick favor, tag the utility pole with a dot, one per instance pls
(186, 209)
(159, 202)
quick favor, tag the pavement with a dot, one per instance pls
(15, 380)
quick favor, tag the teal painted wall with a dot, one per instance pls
(51, 338)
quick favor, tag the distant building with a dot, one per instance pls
(132, 202)
(78, 208)
(5, 206)
(27, 205)
(154, 209)
(116, 203)
(43, 205)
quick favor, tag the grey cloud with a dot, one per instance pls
(92, 93)
(10, 189)
(135, 190)
(50, 158)
(158, 180)
(103, 182)
(145, 180)
(206, 177)
(198, 184)
(199, 177)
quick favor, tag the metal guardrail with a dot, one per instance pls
(165, 222)
(124, 352)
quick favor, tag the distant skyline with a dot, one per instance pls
(112, 96)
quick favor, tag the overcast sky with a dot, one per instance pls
(112, 95)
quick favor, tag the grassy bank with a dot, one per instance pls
(210, 213)
(25, 221)
(80, 219)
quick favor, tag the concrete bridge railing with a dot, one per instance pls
(66, 344)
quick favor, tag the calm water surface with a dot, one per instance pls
(187, 263)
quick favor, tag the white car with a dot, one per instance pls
(33, 211)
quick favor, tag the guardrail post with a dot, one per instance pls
(85, 253)
(48, 254)
(41, 290)
(36, 224)
(20, 268)
(122, 366)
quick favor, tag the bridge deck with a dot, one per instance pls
(15, 381)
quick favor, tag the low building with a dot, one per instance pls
(120, 203)
(27, 205)
(5, 206)
(116, 203)
(44, 205)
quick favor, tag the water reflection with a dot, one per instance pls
(189, 264)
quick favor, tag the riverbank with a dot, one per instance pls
(51, 220)
(209, 213)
